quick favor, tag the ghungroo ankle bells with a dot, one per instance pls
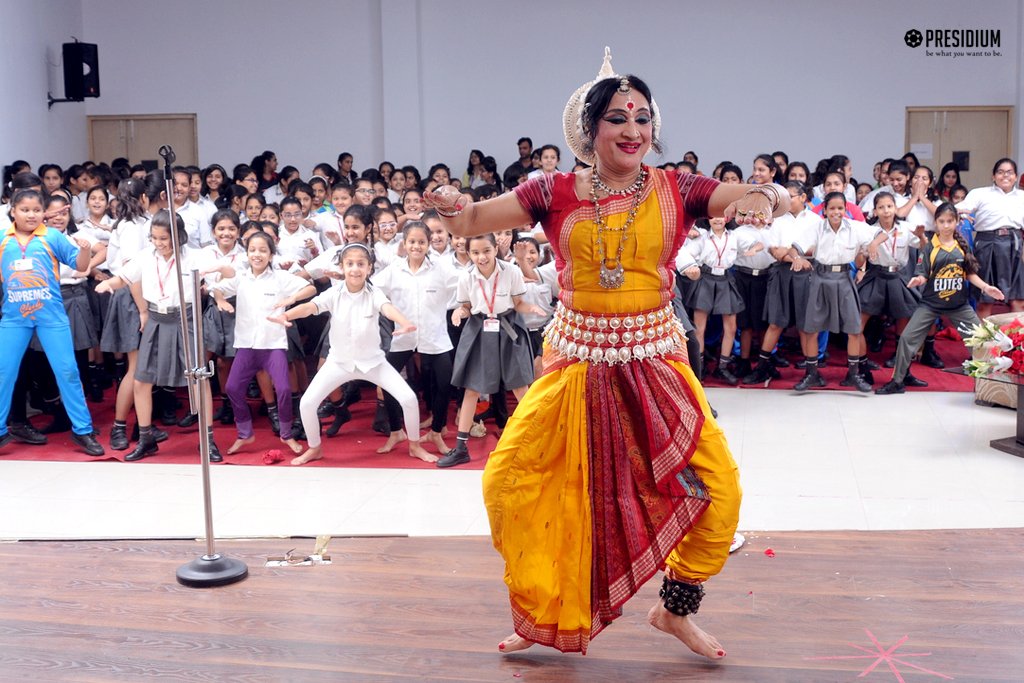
(681, 598)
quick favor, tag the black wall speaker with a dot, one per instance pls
(81, 71)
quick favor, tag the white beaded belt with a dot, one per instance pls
(614, 339)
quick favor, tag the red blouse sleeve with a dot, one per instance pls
(695, 191)
(535, 196)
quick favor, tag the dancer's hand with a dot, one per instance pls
(143, 317)
(917, 281)
(444, 199)
(225, 305)
(693, 272)
(458, 315)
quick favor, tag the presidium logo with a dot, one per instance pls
(956, 42)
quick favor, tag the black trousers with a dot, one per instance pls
(435, 368)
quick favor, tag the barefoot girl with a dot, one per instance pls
(355, 348)
(259, 292)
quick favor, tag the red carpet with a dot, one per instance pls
(354, 446)
(953, 353)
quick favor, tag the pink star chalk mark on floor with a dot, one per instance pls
(889, 656)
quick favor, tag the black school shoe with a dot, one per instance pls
(911, 381)
(146, 446)
(855, 379)
(119, 438)
(890, 387)
(930, 358)
(722, 373)
(812, 380)
(27, 434)
(760, 374)
(88, 443)
(456, 456)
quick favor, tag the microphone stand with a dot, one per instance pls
(211, 569)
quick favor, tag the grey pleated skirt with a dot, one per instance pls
(121, 332)
(785, 303)
(161, 352)
(486, 360)
(716, 294)
(832, 303)
(884, 293)
(219, 330)
(84, 333)
(999, 263)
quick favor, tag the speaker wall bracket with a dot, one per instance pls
(51, 100)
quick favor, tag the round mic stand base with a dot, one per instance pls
(209, 571)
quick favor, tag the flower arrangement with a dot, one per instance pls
(1003, 346)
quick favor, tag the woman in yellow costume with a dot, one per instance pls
(612, 467)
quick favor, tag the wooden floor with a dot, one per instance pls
(827, 607)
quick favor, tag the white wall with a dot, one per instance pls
(426, 80)
(300, 78)
(30, 55)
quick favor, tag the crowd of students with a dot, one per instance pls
(317, 290)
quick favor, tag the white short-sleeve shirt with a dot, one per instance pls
(355, 330)
(491, 296)
(255, 299)
(422, 297)
(159, 276)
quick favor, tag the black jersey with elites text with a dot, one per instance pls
(947, 286)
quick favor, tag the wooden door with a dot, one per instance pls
(108, 138)
(140, 137)
(975, 137)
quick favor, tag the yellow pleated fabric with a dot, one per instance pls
(536, 486)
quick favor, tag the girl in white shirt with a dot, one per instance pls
(715, 293)
(494, 348)
(882, 281)
(161, 359)
(421, 286)
(122, 329)
(218, 323)
(259, 291)
(998, 216)
(84, 326)
(296, 245)
(832, 302)
(355, 348)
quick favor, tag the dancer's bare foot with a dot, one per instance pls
(393, 440)
(417, 451)
(312, 453)
(685, 630)
(514, 643)
(435, 439)
(237, 445)
(426, 422)
(292, 444)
